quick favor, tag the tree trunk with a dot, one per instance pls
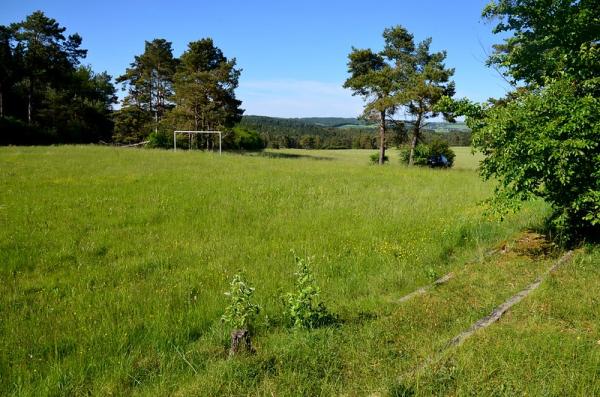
(240, 338)
(1, 103)
(156, 121)
(29, 108)
(154, 92)
(415, 139)
(382, 138)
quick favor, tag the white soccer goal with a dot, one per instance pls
(192, 133)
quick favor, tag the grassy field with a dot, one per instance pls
(115, 261)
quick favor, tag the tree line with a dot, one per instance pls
(305, 134)
(48, 96)
(193, 92)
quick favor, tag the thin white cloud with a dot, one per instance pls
(298, 98)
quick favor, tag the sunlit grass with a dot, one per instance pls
(115, 261)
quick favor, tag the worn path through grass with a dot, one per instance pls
(114, 264)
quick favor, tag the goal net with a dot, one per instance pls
(192, 134)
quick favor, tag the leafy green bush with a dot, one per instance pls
(303, 307)
(247, 139)
(160, 140)
(543, 143)
(543, 139)
(240, 312)
(546, 144)
(442, 148)
(424, 151)
(421, 154)
(374, 158)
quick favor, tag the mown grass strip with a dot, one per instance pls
(500, 310)
(422, 290)
(546, 345)
(443, 352)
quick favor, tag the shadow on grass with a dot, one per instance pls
(277, 155)
(571, 236)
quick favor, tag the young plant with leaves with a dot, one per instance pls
(240, 313)
(303, 307)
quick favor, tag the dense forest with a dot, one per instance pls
(46, 94)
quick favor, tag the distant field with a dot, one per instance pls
(115, 261)
(465, 159)
(358, 126)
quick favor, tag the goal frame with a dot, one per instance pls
(191, 133)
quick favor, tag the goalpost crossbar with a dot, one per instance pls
(196, 132)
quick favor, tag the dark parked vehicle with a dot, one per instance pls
(438, 161)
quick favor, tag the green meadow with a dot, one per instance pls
(114, 263)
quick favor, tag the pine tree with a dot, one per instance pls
(149, 79)
(204, 88)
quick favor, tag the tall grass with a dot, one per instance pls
(114, 265)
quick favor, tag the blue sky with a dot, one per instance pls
(293, 54)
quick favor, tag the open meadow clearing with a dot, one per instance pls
(115, 261)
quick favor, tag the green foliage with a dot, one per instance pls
(546, 144)
(241, 311)
(428, 81)
(160, 140)
(193, 92)
(548, 39)
(377, 77)
(132, 125)
(374, 158)
(543, 143)
(424, 151)
(543, 140)
(283, 133)
(403, 74)
(420, 155)
(45, 88)
(431, 273)
(149, 81)
(442, 148)
(244, 138)
(204, 88)
(303, 307)
(364, 141)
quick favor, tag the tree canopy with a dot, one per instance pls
(195, 91)
(429, 80)
(149, 80)
(46, 95)
(204, 88)
(403, 74)
(549, 39)
(376, 77)
(543, 139)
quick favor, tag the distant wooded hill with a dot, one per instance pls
(344, 133)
